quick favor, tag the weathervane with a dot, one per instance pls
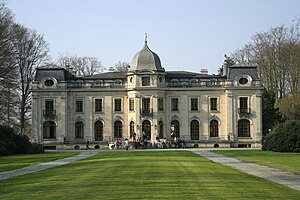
(145, 37)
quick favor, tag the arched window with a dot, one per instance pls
(79, 130)
(98, 131)
(118, 129)
(131, 129)
(194, 130)
(244, 128)
(214, 128)
(49, 130)
(161, 129)
(176, 125)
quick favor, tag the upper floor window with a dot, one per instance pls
(243, 104)
(160, 104)
(146, 105)
(79, 105)
(145, 81)
(174, 104)
(118, 104)
(49, 107)
(194, 104)
(98, 105)
(213, 104)
(131, 104)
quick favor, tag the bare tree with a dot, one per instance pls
(120, 67)
(84, 66)
(30, 52)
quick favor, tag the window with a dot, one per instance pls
(145, 81)
(98, 105)
(176, 125)
(49, 108)
(131, 129)
(79, 130)
(160, 104)
(243, 80)
(161, 129)
(98, 131)
(49, 130)
(243, 104)
(118, 104)
(244, 128)
(194, 104)
(49, 82)
(118, 130)
(213, 104)
(131, 104)
(79, 106)
(174, 104)
(146, 105)
(214, 128)
(194, 130)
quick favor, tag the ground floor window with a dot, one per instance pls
(176, 125)
(79, 132)
(98, 131)
(214, 128)
(131, 129)
(244, 128)
(194, 126)
(49, 130)
(161, 129)
(118, 129)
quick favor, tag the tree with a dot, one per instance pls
(276, 52)
(84, 66)
(290, 107)
(30, 52)
(120, 67)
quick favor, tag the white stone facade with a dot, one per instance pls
(207, 110)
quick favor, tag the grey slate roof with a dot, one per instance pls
(238, 70)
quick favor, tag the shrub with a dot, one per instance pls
(11, 143)
(284, 138)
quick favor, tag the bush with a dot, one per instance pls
(11, 143)
(285, 138)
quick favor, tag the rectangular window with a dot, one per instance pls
(131, 104)
(243, 104)
(118, 104)
(145, 81)
(174, 104)
(161, 104)
(79, 106)
(146, 105)
(194, 104)
(49, 108)
(214, 104)
(98, 105)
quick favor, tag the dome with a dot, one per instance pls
(146, 59)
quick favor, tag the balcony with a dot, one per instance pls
(49, 113)
(146, 112)
(244, 111)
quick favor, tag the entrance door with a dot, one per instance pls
(147, 128)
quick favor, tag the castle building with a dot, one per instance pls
(223, 110)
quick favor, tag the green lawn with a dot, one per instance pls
(284, 161)
(18, 161)
(143, 175)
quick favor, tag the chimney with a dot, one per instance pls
(204, 71)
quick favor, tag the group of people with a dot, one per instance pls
(118, 143)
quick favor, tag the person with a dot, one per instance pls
(183, 142)
(126, 144)
(87, 145)
(117, 143)
(157, 141)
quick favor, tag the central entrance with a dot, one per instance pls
(146, 127)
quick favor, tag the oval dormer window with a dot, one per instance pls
(160, 79)
(49, 82)
(243, 81)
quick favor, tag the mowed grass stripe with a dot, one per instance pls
(12, 162)
(285, 161)
(143, 175)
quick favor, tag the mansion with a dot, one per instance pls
(223, 110)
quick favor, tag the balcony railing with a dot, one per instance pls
(244, 111)
(146, 112)
(49, 113)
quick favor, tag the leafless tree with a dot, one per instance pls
(120, 67)
(84, 66)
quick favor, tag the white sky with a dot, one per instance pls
(186, 34)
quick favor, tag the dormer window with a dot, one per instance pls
(49, 82)
(243, 80)
(145, 81)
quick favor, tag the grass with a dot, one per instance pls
(285, 161)
(143, 175)
(12, 162)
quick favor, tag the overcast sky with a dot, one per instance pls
(186, 34)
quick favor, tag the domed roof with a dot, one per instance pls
(146, 59)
